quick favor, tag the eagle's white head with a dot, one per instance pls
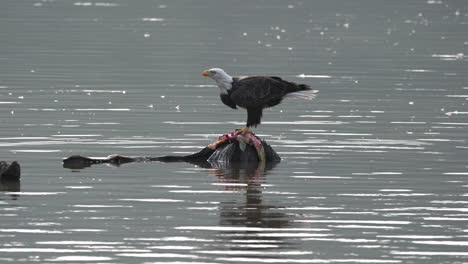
(223, 79)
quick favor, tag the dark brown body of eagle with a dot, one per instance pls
(255, 93)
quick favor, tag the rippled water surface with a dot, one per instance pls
(374, 170)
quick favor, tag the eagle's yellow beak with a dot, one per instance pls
(205, 73)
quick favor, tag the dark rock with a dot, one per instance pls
(222, 154)
(10, 171)
(232, 153)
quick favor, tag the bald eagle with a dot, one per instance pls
(254, 93)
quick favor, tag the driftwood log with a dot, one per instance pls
(241, 149)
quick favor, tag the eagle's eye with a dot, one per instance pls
(213, 72)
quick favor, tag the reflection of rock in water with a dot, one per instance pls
(10, 186)
(249, 212)
(236, 172)
(252, 212)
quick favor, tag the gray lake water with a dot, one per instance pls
(374, 170)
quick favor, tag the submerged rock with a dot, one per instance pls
(240, 148)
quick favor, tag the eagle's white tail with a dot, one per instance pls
(305, 94)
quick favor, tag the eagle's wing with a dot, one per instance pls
(226, 99)
(259, 91)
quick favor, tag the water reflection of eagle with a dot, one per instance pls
(251, 211)
(254, 93)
